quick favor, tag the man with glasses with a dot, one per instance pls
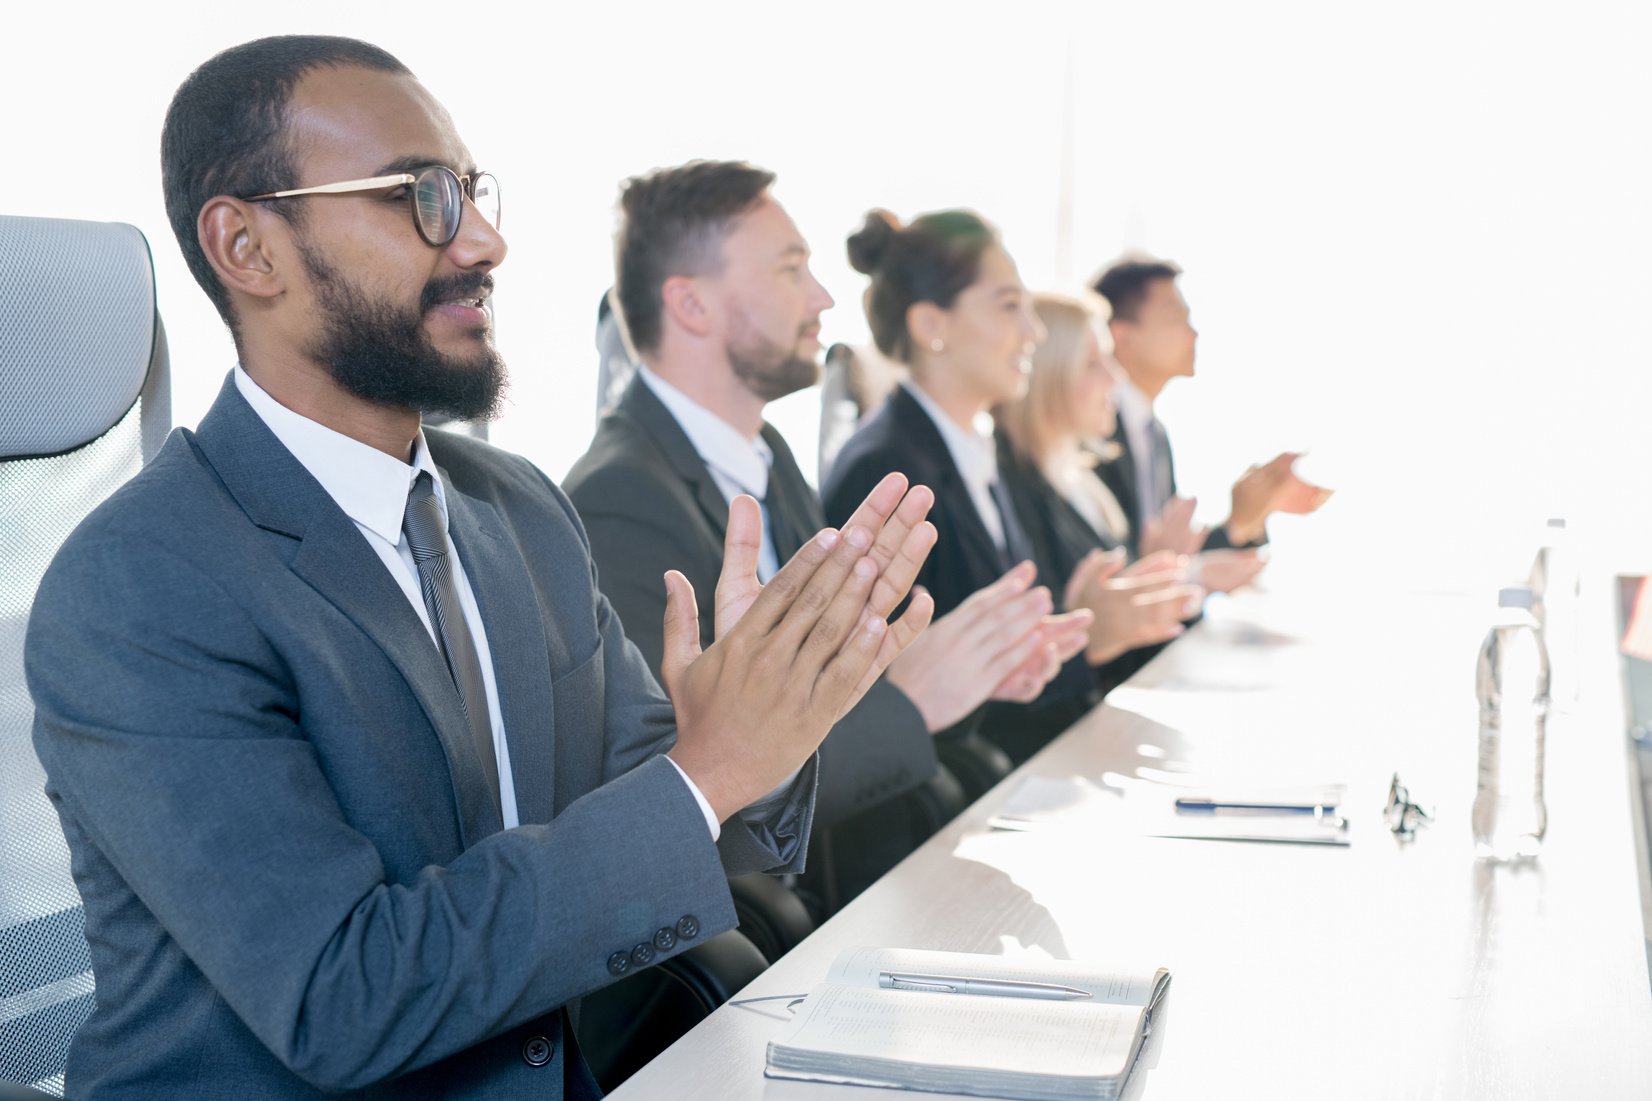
(362, 782)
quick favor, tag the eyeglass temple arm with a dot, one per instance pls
(341, 187)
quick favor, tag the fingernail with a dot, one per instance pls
(828, 539)
(864, 567)
(860, 538)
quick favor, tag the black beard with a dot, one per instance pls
(380, 353)
(768, 370)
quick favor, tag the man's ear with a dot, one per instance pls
(685, 304)
(1124, 339)
(231, 233)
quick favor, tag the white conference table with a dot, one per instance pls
(1384, 969)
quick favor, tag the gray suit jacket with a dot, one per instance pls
(650, 505)
(295, 879)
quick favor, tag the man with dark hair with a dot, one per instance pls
(362, 782)
(715, 283)
(1153, 341)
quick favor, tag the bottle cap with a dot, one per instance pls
(1519, 596)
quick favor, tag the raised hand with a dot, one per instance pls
(792, 656)
(1136, 605)
(1000, 643)
(1264, 490)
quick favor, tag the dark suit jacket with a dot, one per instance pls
(1118, 474)
(295, 879)
(650, 505)
(900, 436)
(1060, 534)
(1062, 537)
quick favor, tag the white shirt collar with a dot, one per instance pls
(720, 445)
(973, 453)
(370, 486)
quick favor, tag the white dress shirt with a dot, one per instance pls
(975, 456)
(737, 464)
(372, 487)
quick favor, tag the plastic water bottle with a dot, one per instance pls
(1512, 679)
(1554, 583)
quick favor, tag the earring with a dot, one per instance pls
(936, 346)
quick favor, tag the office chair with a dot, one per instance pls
(83, 404)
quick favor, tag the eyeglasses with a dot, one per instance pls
(1402, 815)
(437, 195)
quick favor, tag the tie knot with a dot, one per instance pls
(422, 522)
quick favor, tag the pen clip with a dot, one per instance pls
(906, 982)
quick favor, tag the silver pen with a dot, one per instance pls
(959, 984)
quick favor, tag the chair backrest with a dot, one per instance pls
(616, 361)
(83, 404)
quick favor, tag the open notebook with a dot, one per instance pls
(1034, 1029)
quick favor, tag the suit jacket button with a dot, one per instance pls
(536, 1051)
(619, 963)
(688, 927)
(665, 940)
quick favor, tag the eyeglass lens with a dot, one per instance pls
(438, 202)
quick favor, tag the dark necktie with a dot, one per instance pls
(1017, 547)
(427, 537)
(1163, 490)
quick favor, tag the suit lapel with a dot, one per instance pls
(951, 494)
(1123, 482)
(516, 642)
(279, 495)
(647, 410)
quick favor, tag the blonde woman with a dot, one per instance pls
(1049, 456)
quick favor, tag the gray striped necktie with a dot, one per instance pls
(427, 537)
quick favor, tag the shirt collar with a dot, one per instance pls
(719, 444)
(370, 486)
(973, 453)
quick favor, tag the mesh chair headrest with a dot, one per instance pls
(78, 299)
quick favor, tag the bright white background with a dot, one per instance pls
(1416, 235)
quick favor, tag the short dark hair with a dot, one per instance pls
(225, 133)
(1125, 284)
(931, 260)
(673, 222)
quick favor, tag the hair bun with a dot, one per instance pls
(869, 245)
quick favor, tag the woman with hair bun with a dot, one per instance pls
(947, 302)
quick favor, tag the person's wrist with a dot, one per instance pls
(901, 677)
(1241, 532)
(723, 801)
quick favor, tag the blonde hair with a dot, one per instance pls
(1039, 423)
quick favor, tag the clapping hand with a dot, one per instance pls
(1001, 643)
(1224, 570)
(792, 656)
(1173, 529)
(1136, 605)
